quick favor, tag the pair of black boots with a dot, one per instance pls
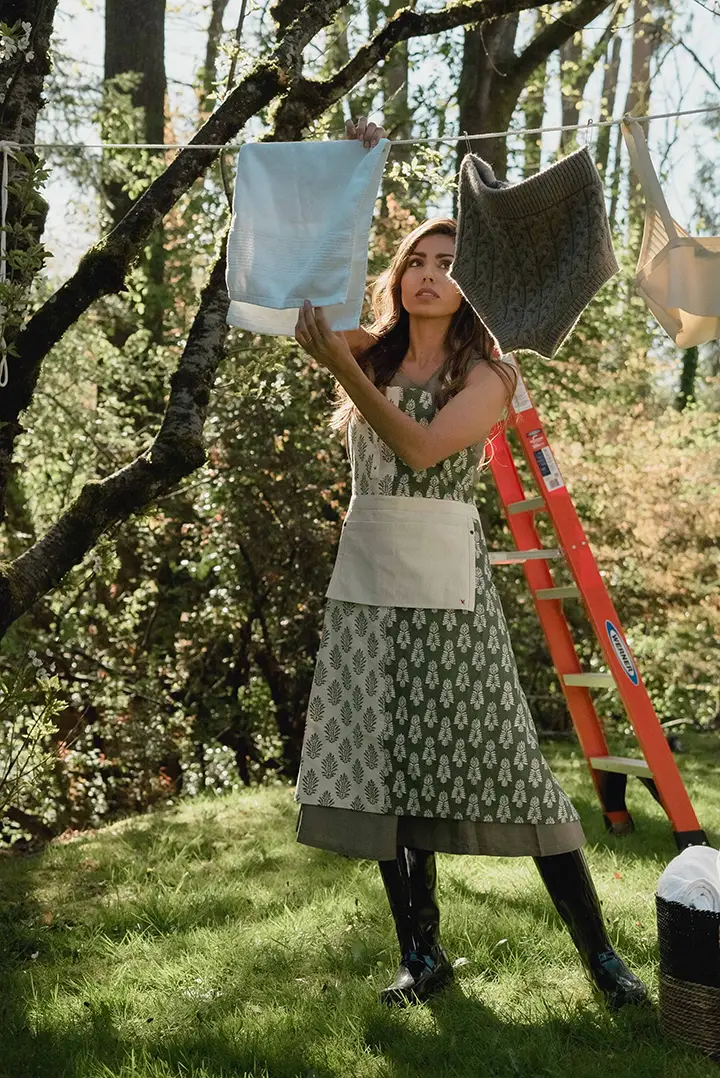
(411, 886)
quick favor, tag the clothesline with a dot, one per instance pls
(8, 149)
(590, 126)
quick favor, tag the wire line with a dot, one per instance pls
(590, 126)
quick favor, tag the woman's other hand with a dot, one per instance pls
(313, 334)
(366, 132)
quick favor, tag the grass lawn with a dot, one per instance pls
(203, 941)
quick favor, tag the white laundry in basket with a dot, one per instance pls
(693, 879)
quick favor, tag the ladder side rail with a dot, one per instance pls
(552, 619)
(607, 627)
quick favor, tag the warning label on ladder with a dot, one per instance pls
(545, 460)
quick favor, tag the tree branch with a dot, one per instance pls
(208, 72)
(178, 448)
(552, 37)
(37, 828)
(102, 270)
(176, 452)
(309, 97)
(587, 64)
(705, 70)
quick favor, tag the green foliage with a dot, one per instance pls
(30, 701)
(120, 121)
(425, 174)
(25, 254)
(15, 41)
(188, 638)
(185, 642)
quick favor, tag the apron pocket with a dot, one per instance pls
(425, 562)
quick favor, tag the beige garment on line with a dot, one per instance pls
(677, 275)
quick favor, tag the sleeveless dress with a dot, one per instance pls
(418, 732)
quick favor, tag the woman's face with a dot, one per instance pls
(426, 289)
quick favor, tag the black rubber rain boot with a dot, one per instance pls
(396, 879)
(568, 880)
(411, 886)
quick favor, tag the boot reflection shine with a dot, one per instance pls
(411, 886)
(568, 880)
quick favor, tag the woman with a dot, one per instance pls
(419, 738)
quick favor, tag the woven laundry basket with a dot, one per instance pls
(689, 943)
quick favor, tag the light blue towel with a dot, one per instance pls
(300, 230)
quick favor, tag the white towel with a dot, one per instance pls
(693, 879)
(300, 230)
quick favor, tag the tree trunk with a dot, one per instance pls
(288, 719)
(359, 100)
(578, 67)
(141, 52)
(396, 107)
(21, 87)
(687, 378)
(615, 179)
(535, 111)
(488, 54)
(337, 54)
(570, 93)
(645, 41)
(493, 76)
(607, 104)
(637, 100)
(208, 72)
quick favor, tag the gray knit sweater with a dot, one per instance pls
(530, 256)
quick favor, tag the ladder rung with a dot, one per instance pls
(526, 506)
(623, 765)
(569, 591)
(591, 681)
(509, 557)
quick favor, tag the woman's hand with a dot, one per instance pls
(313, 334)
(367, 133)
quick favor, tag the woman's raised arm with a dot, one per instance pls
(357, 339)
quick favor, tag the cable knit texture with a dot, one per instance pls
(530, 256)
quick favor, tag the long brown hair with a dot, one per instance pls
(467, 339)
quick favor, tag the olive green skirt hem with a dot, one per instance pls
(376, 837)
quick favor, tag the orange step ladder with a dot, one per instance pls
(656, 769)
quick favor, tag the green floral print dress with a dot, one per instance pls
(418, 732)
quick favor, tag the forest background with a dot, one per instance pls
(171, 495)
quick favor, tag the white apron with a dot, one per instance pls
(407, 552)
